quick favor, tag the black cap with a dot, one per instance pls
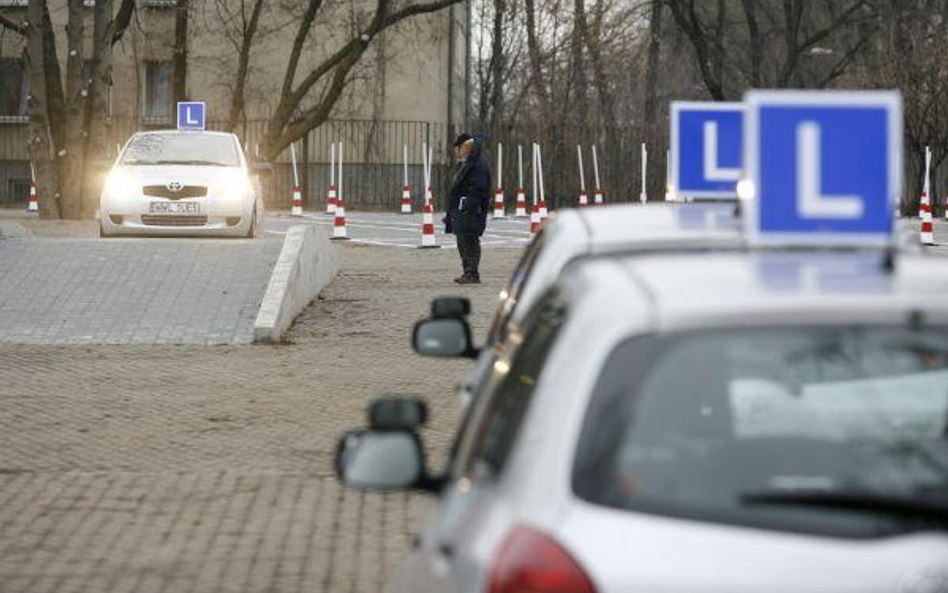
(462, 138)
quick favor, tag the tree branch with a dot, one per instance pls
(122, 19)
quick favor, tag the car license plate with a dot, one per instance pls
(174, 208)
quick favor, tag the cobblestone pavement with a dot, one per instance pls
(123, 291)
(204, 469)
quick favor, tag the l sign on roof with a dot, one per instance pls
(826, 167)
(706, 147)
(191, 116)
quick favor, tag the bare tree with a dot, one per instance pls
(294, 116)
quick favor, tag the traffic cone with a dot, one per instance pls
(297, 202)
(428, 240)
(406, 200)
(535, 220)
(33, 204)
(339, 224)
(499, 203)
(332, 200)
(597, 198)
(521, 204)
(543, 210)
(928, 232)
(923, 201)
(583, 198)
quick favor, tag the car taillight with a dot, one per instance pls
(530, 562)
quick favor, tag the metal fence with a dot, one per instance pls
(373, 160)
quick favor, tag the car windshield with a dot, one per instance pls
(839, 429)
(182, 149)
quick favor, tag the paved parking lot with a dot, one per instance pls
(204, 469)
(404, 231)
(132, 291)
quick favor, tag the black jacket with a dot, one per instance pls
(469, 199)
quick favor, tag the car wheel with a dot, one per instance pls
(252, 231)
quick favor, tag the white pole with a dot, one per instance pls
(582, 174)
(339, 193)
(424, 169)
(500, 165)
(928, 163)
(428, 184)
(534, 170)
(644, 197)
(540, 172)
(596, 167)
(296, 177)
(332, 164)
(32, 172)
(519, 166)
(405, 152)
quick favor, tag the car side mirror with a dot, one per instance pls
(380, 460)
(443, 338)
(397, 413)
(450, 308)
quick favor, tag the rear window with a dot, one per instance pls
(182, 149)
(732, 424)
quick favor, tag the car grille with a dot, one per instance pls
(186, 191)
(173, 220)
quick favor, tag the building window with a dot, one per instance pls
(12, 87)
(158, 90)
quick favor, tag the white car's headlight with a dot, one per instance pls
(119, 183)
(237, 185)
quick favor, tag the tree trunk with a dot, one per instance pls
(41, 149)
(179, 76)
(237, 101)
(578, 79)
(96, 151)
(71, 151)
(497, 68)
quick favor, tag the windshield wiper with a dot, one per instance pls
(926, 506)
(193, 162)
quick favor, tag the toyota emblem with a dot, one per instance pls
(174, 186)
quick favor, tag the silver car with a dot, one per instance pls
(718, 422)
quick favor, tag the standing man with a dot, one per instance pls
(468, 204)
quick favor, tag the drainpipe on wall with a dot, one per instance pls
(451, 65)
(467, 62)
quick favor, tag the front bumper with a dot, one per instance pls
(175, 225)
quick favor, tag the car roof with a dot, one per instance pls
(612, 228)
(184, 133)
(754, 288)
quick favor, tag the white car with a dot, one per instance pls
(180, 183)
(577, 234)
(721, 422)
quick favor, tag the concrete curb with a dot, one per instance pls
(307, 263)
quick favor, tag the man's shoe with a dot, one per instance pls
(468, 280)
(459, 280)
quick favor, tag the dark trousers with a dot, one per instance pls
(469, 247)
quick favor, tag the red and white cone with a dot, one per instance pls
(428, 240)
(544, 213)
(583, 198)
(924, 200)
(597, 198)
(331, 200)
(406, 200)
(927, 235)
(339, 232)
(499, 203)
(535, 219)
(33, 204)
(297, 209)
(521, 211)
